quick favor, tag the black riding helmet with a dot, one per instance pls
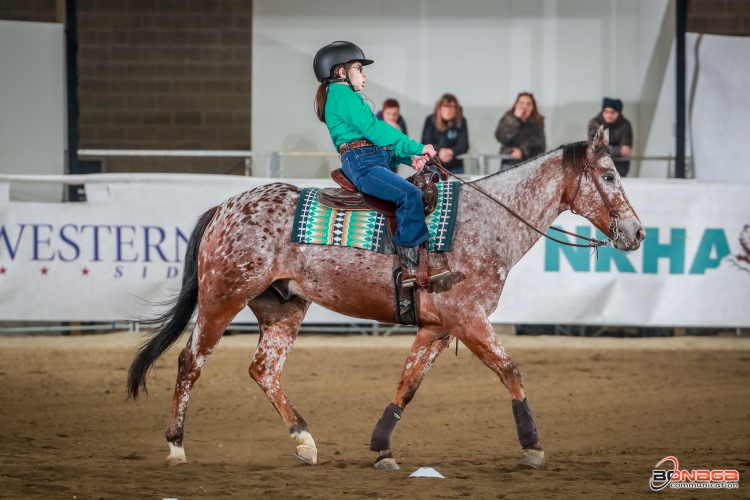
(337, 53)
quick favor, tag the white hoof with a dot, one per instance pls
(176, 455)
(387, 464)
(307, 454)
(534, 458)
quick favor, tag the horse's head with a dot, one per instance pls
(593, 190)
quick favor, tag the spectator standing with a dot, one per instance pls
(620, 132)
(391, 114)
(521, 131)
(447, 131)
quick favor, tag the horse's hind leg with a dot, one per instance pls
(279, 325)
(476, 332)
(213, 318)
(425, 349)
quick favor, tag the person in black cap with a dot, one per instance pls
(620, 132)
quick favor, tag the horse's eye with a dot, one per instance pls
(609, 178)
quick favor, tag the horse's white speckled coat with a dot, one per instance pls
(247, 247)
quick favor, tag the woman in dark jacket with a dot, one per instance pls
(521, 131)
(447, 131)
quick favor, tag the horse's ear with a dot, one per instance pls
(601, 137)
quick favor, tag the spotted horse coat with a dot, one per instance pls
(238, 249)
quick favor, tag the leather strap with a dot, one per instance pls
(406, 301)
(354, 145)
(423, 279)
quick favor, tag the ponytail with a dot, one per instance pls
(321, 96)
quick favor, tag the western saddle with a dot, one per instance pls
(348, 197)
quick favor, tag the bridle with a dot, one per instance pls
(592, 242)
(614, 217)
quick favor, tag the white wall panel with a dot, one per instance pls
(569, 53)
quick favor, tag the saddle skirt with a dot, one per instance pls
(366, 228)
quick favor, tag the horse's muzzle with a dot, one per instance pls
(630, 234)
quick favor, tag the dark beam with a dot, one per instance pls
(71, 76)
(680, 28)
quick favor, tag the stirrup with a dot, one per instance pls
(408, 282)
(445, 273)
(437, 276)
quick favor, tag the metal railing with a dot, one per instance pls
(366, 329)
(478, 164)
(482, 162)
(274, 164)
(112, 326)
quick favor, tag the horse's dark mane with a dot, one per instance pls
(574, 156)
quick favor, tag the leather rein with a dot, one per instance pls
(592, 242)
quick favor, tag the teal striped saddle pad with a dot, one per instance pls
(317, 224)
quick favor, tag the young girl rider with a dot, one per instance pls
(368, 146)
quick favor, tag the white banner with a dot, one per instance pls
(106, 258)
(718, 103)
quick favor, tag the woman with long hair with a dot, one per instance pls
(446, 128)
(521, 131)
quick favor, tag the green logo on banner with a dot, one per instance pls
(713, 247)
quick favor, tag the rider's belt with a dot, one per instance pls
(354, 144)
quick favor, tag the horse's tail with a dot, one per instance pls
(174, 321)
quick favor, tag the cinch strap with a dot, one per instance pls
(381, 436)
(525, 425)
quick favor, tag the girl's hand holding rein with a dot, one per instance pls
(418, 162)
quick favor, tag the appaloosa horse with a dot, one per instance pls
(240, 248)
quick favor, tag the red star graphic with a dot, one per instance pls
(44, 271)
(85, 271)
(2, 270)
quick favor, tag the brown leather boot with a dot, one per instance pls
(409, 259)
(433, 273)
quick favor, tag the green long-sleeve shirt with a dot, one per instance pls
(349, 118)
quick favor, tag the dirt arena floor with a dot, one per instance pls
(607, 411)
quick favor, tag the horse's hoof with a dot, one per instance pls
(172, 461)
(176, 455)
(307, 454)
(387, 464)
(534, 458)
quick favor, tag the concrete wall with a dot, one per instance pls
(568, 53)
(32, 105)
(159, 74)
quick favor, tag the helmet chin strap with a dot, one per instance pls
(346, 70)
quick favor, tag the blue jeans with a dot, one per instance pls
(367, 168)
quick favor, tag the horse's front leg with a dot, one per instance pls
(476, 332)
(424, 351)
